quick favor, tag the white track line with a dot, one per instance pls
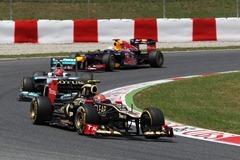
(179, 129)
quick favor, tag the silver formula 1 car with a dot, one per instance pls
(38, 83)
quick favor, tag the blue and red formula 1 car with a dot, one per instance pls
(122, 54)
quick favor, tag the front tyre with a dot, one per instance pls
(109, 61)
(156, 58)
(85, 114)
(40, 110)
(152, 120)
(28, 84)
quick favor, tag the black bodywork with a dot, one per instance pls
(90, 118)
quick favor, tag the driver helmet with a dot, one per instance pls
(58, 72)
(99, 98)
(118, 45)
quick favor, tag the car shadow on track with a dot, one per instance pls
(114, 137)
(133, 138)
(124, 69)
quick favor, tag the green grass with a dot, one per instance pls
(211, 102)
(112, 9)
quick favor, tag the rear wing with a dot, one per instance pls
(58, 87)
(151, 44)
(66, 63)
(64, 86)
(69, 85)
(69, 63)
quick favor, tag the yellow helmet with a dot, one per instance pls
(118, 45)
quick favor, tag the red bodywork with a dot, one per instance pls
(96, 67)
(52, 90)
(151, 44)
(128, 47)
(90, 129)
(130, 59)
(151, 47)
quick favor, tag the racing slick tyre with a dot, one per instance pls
(109, 61)
(28, 84)
(40, 110)
(39, 73)
(152, 120)
(85, 114)
(156, 58)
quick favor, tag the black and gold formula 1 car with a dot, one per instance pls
(121, 55)
(90, 115)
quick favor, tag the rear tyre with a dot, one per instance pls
(109, 61)
(85, 114)
(152, 120)
(28, 84)
(40, 110)
(156, 58)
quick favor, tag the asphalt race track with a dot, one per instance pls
(20, 139)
